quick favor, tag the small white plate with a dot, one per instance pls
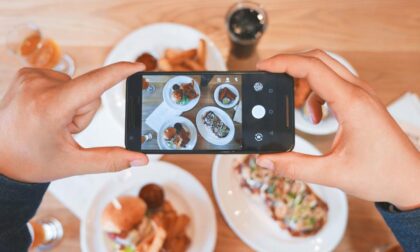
(167, 92)
(206, 132)
(328, 125)
(154, 38)
(251, 221)
(170, 123)
(183, 190)
(233, 89)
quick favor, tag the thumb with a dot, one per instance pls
(107, 159)
(293, 165)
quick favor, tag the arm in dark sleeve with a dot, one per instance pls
(18, 204)
(404, 224)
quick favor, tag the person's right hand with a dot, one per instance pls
(371, 157)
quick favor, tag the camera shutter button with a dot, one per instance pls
(258, 111)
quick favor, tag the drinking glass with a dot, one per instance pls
(45, 233)
(246, 22)
(28, 43)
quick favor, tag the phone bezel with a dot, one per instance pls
(137, 95)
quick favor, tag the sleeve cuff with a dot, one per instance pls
(404, 224)
(19, 202)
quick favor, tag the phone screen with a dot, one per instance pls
(213, 112)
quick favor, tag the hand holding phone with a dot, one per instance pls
(209, 112)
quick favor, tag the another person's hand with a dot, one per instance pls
(38, 115)
(371, 157)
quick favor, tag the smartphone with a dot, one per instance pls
(209, 112)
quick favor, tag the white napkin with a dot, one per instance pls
(238, 113)
(406, 111)
(160, 115)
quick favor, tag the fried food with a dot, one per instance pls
(136, 226)
(148, 60)
(177, 60)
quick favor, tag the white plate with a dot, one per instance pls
(251, 221)
(206, 132)
(328, 125)
(154, 38)
(232, 88)
(167, 91)
(183, 190)
(170, 123)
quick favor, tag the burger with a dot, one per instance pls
(125, 222)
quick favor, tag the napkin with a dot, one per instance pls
(159, 116)
(406, 111)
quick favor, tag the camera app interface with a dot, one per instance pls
(191, 112)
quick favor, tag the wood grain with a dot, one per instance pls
(380, 38)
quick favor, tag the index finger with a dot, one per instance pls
(91, 85)
(322, 79)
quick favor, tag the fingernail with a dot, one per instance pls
(266, 163)
(138, 162)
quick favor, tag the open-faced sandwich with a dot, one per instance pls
(292, 203)
(215, 124)
(183, 93)
(147, 223)
(177, 136)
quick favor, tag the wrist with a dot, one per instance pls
(408, 198)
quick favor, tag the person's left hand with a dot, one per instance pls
(38, 115)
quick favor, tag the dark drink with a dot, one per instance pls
(246, 22)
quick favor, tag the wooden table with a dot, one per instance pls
(380, 38)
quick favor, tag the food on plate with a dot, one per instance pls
(183, 93)
(184, 60)
(148, 60)
(153, 195)
(132, 226)
(226, 96)
(177, 136)
(215, 124)
(302, 91)
(292, 203)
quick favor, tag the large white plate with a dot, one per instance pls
(170, 123)
(167, 92)
(250, 220)
(328, 125)
(183, 190)
(206, 132)
(154, 38)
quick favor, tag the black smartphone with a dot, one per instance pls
(209, 112)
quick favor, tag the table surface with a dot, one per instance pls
(380, 38)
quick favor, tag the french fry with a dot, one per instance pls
(202, 52)
(178, 226)
(182, 56)
(165, 65)
(171, 53)
(181, 68)
(193, 65)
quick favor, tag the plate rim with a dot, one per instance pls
(186, 107)
(219, 109)
(183, 118)
(236, 101)
(249, 243)
(212, 220)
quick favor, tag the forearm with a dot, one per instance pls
(404, 224)
(18, 204)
